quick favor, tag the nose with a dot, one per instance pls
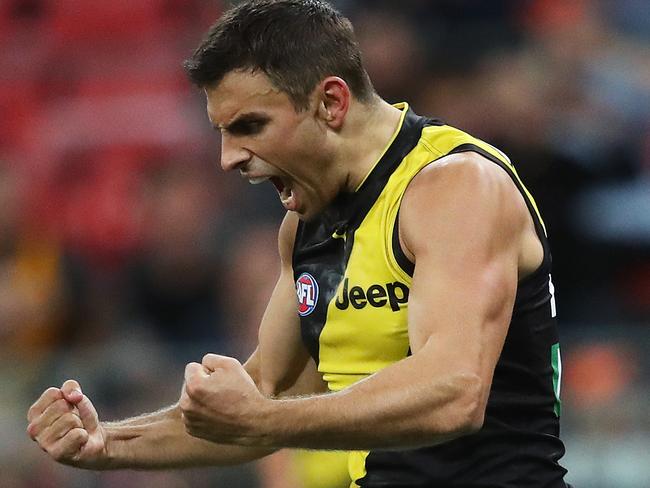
(232, 154)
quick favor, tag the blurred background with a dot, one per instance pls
(125, 252)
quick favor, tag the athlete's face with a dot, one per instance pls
(266, 139)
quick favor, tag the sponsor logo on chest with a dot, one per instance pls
(376, 295)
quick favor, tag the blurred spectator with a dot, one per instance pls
(174, 284)
(31, 281)
(253, 268)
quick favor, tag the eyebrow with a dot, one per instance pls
(242, 119)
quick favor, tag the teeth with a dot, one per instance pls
(257, 181)
(286, 194)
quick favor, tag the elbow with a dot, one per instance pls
(465, 423)
(470, 405)
(470, 423)
(464, 414)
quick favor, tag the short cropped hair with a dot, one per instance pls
(296, 43)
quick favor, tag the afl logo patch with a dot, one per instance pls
(307, 291)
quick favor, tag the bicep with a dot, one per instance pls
(460, 315)
(462, 224)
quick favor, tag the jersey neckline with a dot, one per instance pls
(348, 209)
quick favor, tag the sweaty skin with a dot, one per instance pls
(484, 243)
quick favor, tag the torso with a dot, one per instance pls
(353, 278)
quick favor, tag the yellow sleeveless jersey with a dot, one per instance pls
(353, 280)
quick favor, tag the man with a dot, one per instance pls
(387, 213)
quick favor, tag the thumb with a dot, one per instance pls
(88, 414)
(213, 361)
(72, 391)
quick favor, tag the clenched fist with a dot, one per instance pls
(221, 403)
(64, 423)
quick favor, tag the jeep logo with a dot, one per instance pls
(395, 293)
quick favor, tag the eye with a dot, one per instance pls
(247, 127)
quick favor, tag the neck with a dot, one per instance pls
(368, 130)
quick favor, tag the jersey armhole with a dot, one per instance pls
(540, 228)
(405, 264)
(408, 267)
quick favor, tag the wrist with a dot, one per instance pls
(270, 424)
(291, 422)
(105, 456)
(117, 449)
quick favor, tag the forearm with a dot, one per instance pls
(159, 441)
(169, 412)
(394, 408)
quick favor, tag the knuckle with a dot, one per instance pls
(70, 443)
(46, 398)
(60, 456)
(61, 406)
(32, 431)
(185, 404)
(51, 392)
(71, 421)
(54, 451)
(189, 368)
(66, 405)
(46, 438)
(77, 436)
(193, 388)
(190, 371)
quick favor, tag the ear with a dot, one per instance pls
(334, 103)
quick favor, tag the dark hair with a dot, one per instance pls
(295, 43)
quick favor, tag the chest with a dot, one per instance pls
(353, 306)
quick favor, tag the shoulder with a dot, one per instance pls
(461, 194)
(462, 173)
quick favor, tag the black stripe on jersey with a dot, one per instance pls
(319, 254)
(353, 207)
(400, 256)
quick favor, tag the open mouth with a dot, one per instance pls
(286, 193)
(277, 182)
